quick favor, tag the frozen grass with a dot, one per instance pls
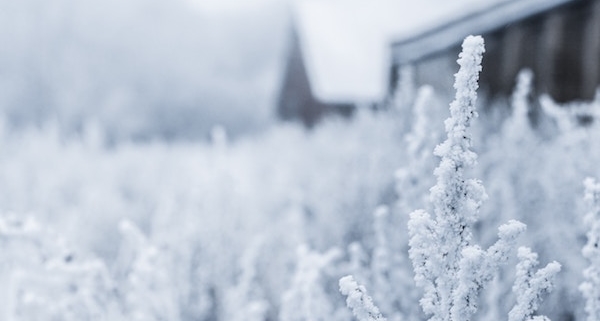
(204, 201)
(211, 229)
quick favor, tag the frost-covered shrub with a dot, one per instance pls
(245, 301)
(391, 278)
(66, 289)
(448, 267)
(385, 269)
(44, 279)
(533, 166)
(201, 204)
(144, 278)
(307, 299)
(413, 179)
(505, 170)
(196, 211)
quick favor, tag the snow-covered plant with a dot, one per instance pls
(413, 179)
(358, 262)
(518, 127)
(448, 267)
(391, 281)
(479, 267)
(146, 286)
(404, 93)
(359, 301)
(506, 168)
(382, 264)
(591, 251)
(45, 280)
(555, 112)
(306, 299)
(572, 115)
(245, 301)
(66, 288)
(530, 285)
(421, 132)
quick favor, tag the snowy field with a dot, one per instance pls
(116, 205)
(262, 227)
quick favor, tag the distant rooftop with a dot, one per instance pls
(346, 43)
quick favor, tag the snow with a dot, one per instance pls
(530, 285)
(346, 43)
(359, 301)
(207, 231)
(210, 229)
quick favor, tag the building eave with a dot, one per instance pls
(447, 35)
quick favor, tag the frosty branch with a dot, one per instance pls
(448, 267)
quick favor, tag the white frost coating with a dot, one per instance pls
(358, 262)
(426, 265)
(530, 286)
(591, 286)
(414, 180)
(144, 270)
(452, 193)
(473, 272)
(522, 91)
(436, 244)
(359, 301)
(420, 133)
(517, 126)
(306, 299)
(511, 229)
(245, 301)
(450, 271)
(507, 237)
(568, 116)
(42, 272)
(478, 267)
(381, 264)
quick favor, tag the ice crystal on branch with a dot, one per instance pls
(359, 301)
(450, 270)
(478, 267)
(453, 193)
(530, 286)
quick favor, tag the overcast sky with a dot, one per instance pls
(142, 67)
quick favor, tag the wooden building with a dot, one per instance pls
(558, 39)
(297, 100)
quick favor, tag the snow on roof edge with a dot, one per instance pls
(346, 58)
